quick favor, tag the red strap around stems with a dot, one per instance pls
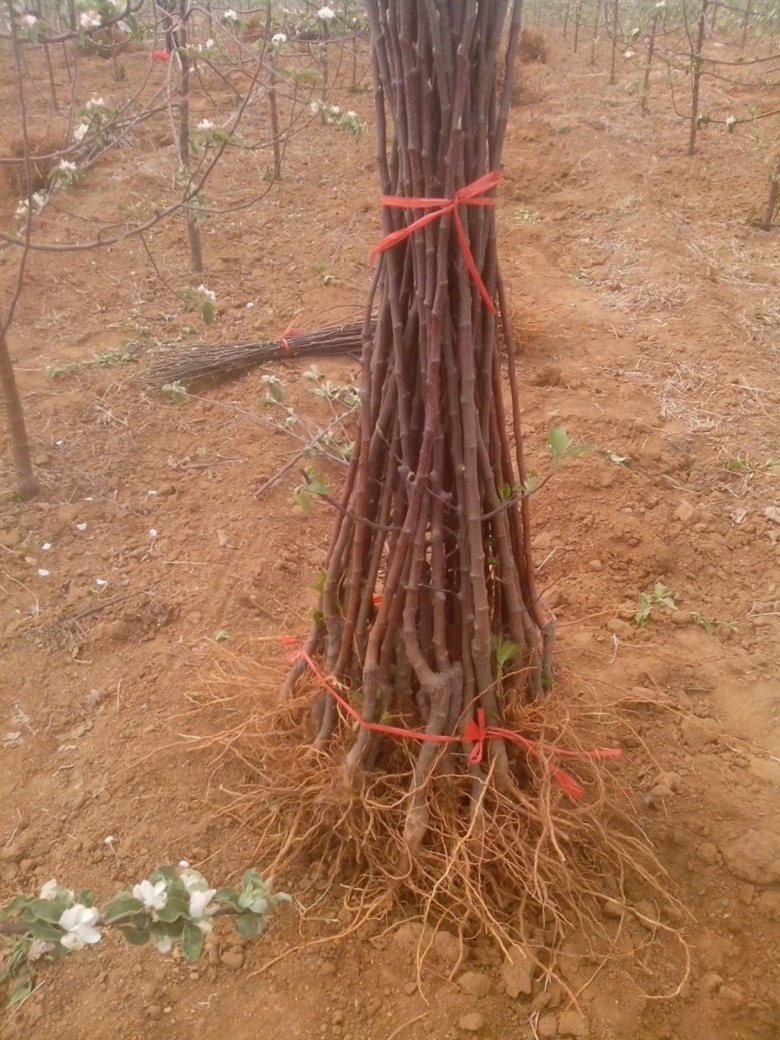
(475, 733)
(472, 195)
(283, 341)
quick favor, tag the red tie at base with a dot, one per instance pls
(475, 733)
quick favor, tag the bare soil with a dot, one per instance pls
(649, 316)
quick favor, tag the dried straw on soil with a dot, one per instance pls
(523, 863)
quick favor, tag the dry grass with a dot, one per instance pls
(523, 864)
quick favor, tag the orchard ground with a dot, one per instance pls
(648, 309)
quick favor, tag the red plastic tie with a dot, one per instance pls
(472, 195)
(475, 733)
(292, 327)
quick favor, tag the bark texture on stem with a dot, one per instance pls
(26, 481)
(430, 564)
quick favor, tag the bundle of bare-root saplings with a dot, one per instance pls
(419, 755)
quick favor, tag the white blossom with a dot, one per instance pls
(80, 131)
(192, 880)
(200, 909)
(89, 20)
(50, 889)
(325, 14)
(207, 294)
(153, 896)
(79, 923)
(731, 121)
(95, 102)
(152, 532)
(204, 125)
(629, 54)
(28, 20)
(164, 944)
(46, 546)
(67, 167)
(22, 209)
(230, 16)
(278, 39)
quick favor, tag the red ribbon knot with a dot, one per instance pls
(473, 194)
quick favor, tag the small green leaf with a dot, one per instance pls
(504, 492)
(122, 906)
(207, 311)
(302, 499)
(15, 907)
(170, 876)
(575, 450)
(175, 392)
(135, 936)
(529, 485)
(506, 651)
(174, 908)
(192, 942)
(250, 925)
(45, 910)
(226, 895)
(558, 442)
(45, 931)
(21, 990)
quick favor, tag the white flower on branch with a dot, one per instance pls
(731, 122)
(205, 124)
(28, 20)
(79, 923)
(200, 911)
(89, 20)
(325, 14)
(94, 102)
(207, 294)
(67, 167)
(278, 39)
(51, 890)
(153, 896)
(230, 16)
(80, 131)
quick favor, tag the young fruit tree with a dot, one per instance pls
(415, 754)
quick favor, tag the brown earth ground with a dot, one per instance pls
(649, 313)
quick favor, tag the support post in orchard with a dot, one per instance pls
(26, 482)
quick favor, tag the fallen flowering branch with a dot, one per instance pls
(173, 905)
